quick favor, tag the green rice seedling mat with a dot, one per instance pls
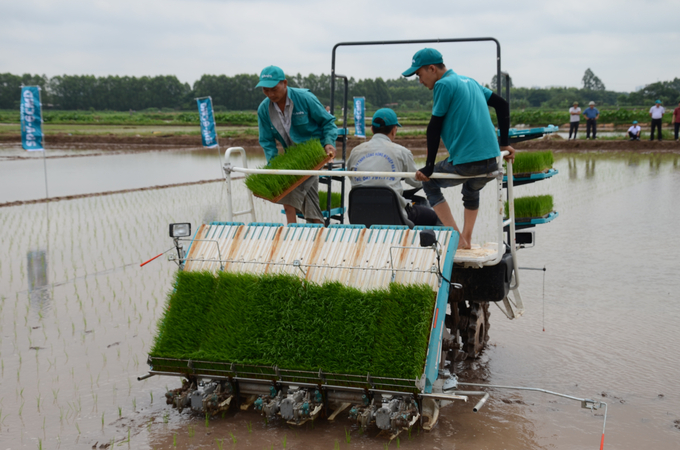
(336, 199)
(284, 321)
(308, 155)
(527, 163)
(531, 207)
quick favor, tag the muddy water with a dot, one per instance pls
(78, 315)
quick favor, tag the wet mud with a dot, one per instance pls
(78, 316)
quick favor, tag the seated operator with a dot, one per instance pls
(380, 154)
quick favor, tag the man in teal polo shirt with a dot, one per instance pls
(291, 116)
(460, 117)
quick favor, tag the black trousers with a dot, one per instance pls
(421, 215)
(656, 123)
(591, 124)
(633, 135)
(573, 126)
(677, 128)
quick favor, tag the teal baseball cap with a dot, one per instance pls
(635, 122)
(658, 101)
(270, 77)
(423, 57)
(385, 117)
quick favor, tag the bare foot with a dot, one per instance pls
(463, 243)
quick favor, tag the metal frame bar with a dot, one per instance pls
(227, 177)
(416, 41)
(500, 250)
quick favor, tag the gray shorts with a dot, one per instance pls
(305, 199)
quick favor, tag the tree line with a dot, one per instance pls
(237, 93)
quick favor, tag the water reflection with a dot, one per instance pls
(38, 289)
(590, 168)
(573, 170)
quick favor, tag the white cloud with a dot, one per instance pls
(625, 43)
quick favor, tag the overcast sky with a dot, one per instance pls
(543, 43)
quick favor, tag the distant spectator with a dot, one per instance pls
(592, 114)
(634, 131)
(676, 120)
(328, 108)
(656, 112)
(575, 118)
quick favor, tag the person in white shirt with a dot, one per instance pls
(634, 131)
(381, 154)
(656, 112)
(575, 117)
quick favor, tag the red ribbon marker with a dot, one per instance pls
(147, 262)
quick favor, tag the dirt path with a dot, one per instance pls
(416, 144)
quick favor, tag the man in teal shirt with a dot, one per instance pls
(460, 117)
(291, 116)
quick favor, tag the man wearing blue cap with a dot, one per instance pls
(292, 116)
(656, 112)
(381, 154)
(634, 131)
(460, 117)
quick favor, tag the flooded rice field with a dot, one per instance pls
(78, 314)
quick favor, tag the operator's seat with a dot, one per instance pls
(375, 205)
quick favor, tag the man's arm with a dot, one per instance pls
(411, 167)
(327, 123)
(267, 140)
(434, 133)
(502, 108)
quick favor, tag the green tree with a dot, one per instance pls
(591, 81)
(494, 83)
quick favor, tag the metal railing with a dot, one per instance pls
(498, 175)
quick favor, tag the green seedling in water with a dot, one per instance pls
(192, 431)
(151, 393)
(233, 438)
(77, 428)
(120, 412)
(174, 439)
(337, 445)
(166, 417)
(102, 420)
(250, 427)
(220, 443)
(284, 440)
(347, 435)
(397, 442)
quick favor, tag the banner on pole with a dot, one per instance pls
(207, 119)
(31, 119)
(359, 117)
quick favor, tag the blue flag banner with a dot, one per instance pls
(207, 119)
(31, 119)
(359, 117)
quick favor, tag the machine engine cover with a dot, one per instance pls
(488, 284)
(383, 417)
(198, 395)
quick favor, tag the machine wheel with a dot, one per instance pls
(477, 333)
